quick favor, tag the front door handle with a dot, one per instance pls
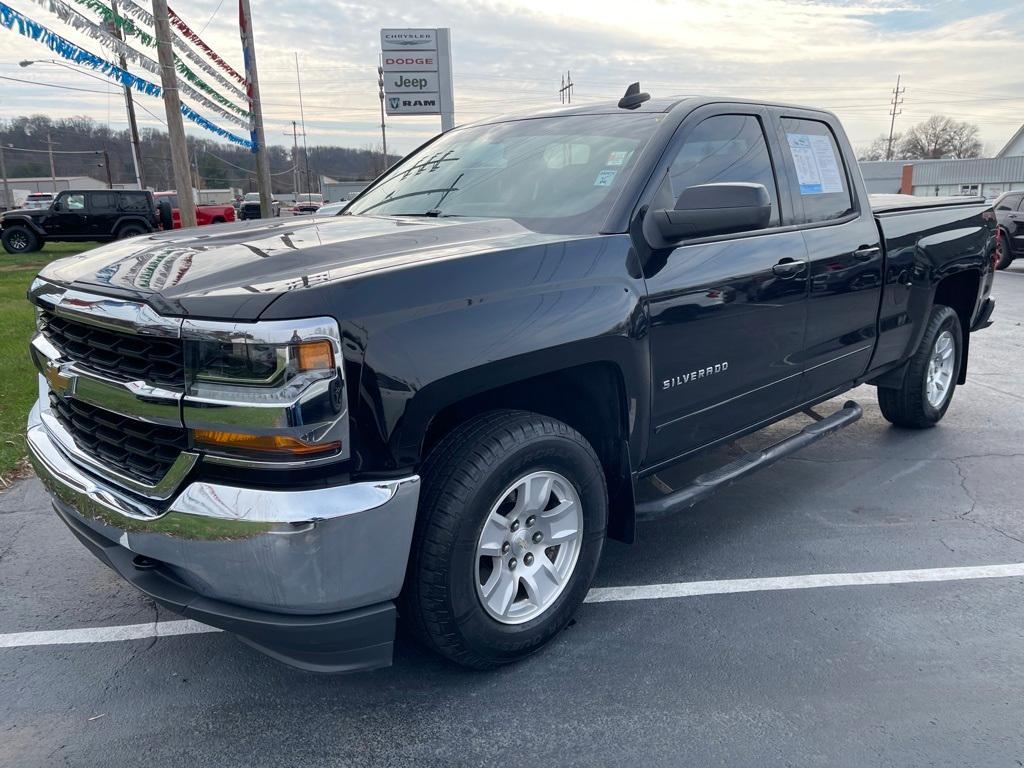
(866, 254)
(788, 267)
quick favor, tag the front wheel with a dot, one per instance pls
(510, 530)
(931, 375)
(20, 240)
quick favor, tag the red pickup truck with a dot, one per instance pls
(205, 214)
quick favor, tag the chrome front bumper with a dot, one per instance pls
(315, 551)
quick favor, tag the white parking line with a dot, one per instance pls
(811, 581)
(598, 595)
(104, 634)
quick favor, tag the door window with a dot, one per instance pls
(103, 202)
(74, 202)
(134, 201)
(821, 177)
(725, 148)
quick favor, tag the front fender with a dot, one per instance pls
(452, 329)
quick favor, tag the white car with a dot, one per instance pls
(38, 200)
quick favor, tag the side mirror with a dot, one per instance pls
(714, 209)
(57, 205)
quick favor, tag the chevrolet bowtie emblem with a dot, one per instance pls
(61, 384)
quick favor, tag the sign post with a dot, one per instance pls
(416, 69)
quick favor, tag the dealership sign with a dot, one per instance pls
(416, 73)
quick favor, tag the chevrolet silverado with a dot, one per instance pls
(438, 404)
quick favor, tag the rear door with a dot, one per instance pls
(727, 313)
(103, 213)
(843, 249)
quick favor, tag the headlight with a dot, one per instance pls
(268, 391)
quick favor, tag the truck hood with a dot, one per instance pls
(238, 269)
(33, 212)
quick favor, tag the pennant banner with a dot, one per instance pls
(78, 22)
(15, 21)
(139, 13)
(198, 41)
(129, 29)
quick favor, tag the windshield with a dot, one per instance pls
(252, 197)
(555, 174)
(310, 199)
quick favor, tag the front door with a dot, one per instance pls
(68, 216)
(727, 314)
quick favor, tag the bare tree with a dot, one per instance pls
(940, 136)
(879, 148)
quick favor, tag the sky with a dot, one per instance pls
(962, 59)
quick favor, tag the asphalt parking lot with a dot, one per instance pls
(902, 671)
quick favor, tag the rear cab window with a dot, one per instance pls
(821, 185)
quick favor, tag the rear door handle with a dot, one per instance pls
(788, 267)
(866, 254)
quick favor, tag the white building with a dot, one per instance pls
(1015, 146)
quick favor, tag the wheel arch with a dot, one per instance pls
(593, 397)
(959, 292)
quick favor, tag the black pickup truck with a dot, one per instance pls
(439, 403)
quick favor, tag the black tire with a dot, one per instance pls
(131, 230)
(909, 406)
(217, 220)
(1003, 256)
(463, 478)
(18, 239)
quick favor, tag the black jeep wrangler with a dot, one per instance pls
(100, 214)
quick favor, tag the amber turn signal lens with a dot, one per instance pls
(279, 444)
(315, 356)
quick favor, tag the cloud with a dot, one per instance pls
(509, 56)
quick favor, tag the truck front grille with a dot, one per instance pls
(124, 356)
(142, 451)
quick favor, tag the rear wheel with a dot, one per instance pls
(1003, 257)
(931, 375)
(130, 230)
(20, 240)
(510, 530)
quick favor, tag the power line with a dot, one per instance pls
(215, 12)
(52, 85)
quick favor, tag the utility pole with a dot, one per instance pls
(259, 147)
(172, 106)
(53, 172)
(897, 99)
(8, 199)
(295, 158)
(383, 131)
(106, 165)
(129, 102)
(565, 92)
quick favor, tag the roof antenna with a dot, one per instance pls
(633, 98)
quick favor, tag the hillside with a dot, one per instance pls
(219, 165)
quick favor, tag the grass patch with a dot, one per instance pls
(17, 324)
